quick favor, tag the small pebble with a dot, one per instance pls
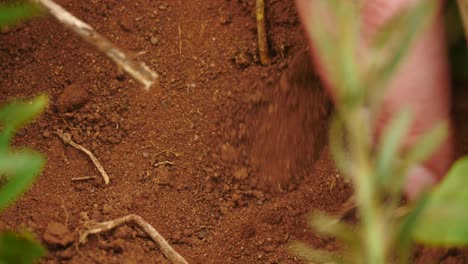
(163, 6)
(154, 40)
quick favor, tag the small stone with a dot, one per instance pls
(177, 236)
(188, 232)
(241, 174)
(72, 97)
(269, 248)
(163, 6)
(229, 153)
(57, 234)
(154, 40)
(106, 209)
(127, 24)
(224, 19)
(47, 134)
(66, 254)
(191, 241)
(84, 216)
(242, 61)
(145, 154)
(202, 234)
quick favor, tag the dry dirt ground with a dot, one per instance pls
(215, 117)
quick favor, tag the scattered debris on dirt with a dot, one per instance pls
(166, 249)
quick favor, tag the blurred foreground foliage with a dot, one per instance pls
(378, 169)
(18, 167)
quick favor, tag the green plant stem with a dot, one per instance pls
(366, 194)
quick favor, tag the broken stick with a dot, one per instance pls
(166, 249)
(137, 70)
(261, 32)
(67, 139)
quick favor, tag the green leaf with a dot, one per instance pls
(313, 255)
(21, 168)
(334, 29)
(10, 14)
(19, 248)
(16, 114)
(337, 144)
(406, 225)
(333, 227)
(426, 144)
(389, 146)
(444, 220)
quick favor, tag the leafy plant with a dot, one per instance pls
(18, 167)
(14, 13)
(378, 172)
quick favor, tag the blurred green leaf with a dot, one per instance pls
(335, 33)
(406, 225)
(389, 146)
(16, 114)
(14, 13)
(337, 145)
(334, 227)
(312, 255)
(426, 144)
(444, 220)
(392, 42)
(19, 249)
(20, 168)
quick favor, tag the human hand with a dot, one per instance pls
(421, 83)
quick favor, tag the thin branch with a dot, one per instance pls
(261, 32)
(166, 249)
(67, 139)
(137, 70)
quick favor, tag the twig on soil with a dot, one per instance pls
(67, 139)
(180, 40)
(261, 32)
(137, 70)
(166, 249)
(166, 162)
(85, 178)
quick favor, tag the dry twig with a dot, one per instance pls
(85, 178)
(261, 32)
(67, 139)
(137, 70)
(180, 39)
(166, 249)
(166, 162)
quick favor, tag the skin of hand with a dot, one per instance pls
(421, 83)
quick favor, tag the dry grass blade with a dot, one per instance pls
(67, 139)
(166, 249)
(137, 70)
(262, 35)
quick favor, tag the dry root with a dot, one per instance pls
(67, 139)
(166, 249)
